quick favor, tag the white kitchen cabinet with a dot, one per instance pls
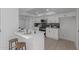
(31, 24)
(36, 28)
(53, 20)
(52, 33)
(38, 20)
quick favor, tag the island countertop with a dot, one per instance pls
(34, 41)
(22, 34)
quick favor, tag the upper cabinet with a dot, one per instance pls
(53, 20)
(37, 20)
(49, 19)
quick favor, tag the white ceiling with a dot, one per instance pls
(45, 11)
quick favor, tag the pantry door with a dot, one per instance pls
(0, 27)
(77, 32)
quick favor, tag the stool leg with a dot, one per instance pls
(25, 47)
(15, 45)
(19, 49)
(22, 48)
(15, 48)
(9, 45)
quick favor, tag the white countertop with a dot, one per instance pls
(29, 35)
(35, 41)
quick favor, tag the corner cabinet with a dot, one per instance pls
(52, 33)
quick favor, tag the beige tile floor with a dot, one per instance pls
(51, 44)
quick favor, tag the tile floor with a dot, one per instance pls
(51, 44)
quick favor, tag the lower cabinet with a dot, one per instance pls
(52, 33)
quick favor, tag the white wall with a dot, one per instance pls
(77, 32)
(0, 18)
(78, 27)
(26, 21)
(9, 24)
(0, 26)
(22, 21)
(67, 29)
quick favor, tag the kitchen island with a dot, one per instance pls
(34, 41)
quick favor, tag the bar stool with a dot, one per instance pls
(15, 40)
(20, 45)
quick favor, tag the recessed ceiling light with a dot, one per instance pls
(40, 14)
(37, 12)
(49, 13)
(47, 9)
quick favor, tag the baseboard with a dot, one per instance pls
(66, 39)
(51, 38)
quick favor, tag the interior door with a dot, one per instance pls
(0, 27)
(0, 23)
(77, 40)
(67, 28)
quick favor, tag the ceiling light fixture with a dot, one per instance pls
(40, 14)
(49, 13)
(47, 9)
(37, 12)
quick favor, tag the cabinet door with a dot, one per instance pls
(52, 33)
(37, 20)
(48, 32)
